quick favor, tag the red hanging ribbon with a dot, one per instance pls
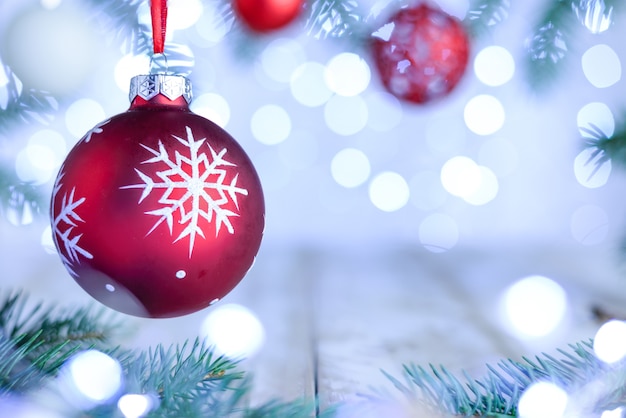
(158, 11)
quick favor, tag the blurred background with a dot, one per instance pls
(498, 165)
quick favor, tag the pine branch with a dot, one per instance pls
(24, 105)
(498, 393)
(604, 148)
(483, 15)
(18, 196)
(335, 19)
(121, 25)
(548, 45)
(35, 342)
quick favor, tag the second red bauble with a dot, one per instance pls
(157, 212)
(421, 53)
(267, 15)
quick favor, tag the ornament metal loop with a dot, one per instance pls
(171, 86)
(155, 65)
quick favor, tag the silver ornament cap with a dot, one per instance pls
(171, 86)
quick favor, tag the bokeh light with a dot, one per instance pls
(82, 115)
(280, 59)
(183, 14)
(484, 114)
(129, 66)
(601, 66)
(54, 50)
(613, 413)
(494, 66)
(589, 225)
(597, 114)
(542, 400)
(135, 405)
(91, 377)
(588, 172)
(609, 343)
(39, 160)
(347, 74)
(461, 176)
(534, 306)
(234, 330)
(438, 232)
(50, 4)
(487, 188)
(388, 191)
(350, 167)
(212, 106)
(270, 124)
(307, 85)
(385, 111)
(346, 115)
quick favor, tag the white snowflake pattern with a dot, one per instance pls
(195, 203)
(95, 130)
(68, 218)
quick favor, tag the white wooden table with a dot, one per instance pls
(335, 316)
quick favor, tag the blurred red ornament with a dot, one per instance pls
(267, 15)
(157, 212)
(421, 53)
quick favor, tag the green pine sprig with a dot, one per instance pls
(36, 341)
(549, 44)
(334, 19)
(18, 196)
(186, 380)
(24, 105)
(498, 393)
(119, 23)
(483, 15)
(605, 148)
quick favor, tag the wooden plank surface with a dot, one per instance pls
(334, 316)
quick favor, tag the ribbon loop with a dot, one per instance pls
(158, 12)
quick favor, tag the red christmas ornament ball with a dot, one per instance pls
(421, 53)
(267, 15)
(157, 212)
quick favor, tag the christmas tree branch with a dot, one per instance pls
(498, 393)
(35, 342)
(24, 105)
(18, 196)
(187, 380)
(121, 24)
(548, 45)
(483, 15)
(335, 19)
(606, 148)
